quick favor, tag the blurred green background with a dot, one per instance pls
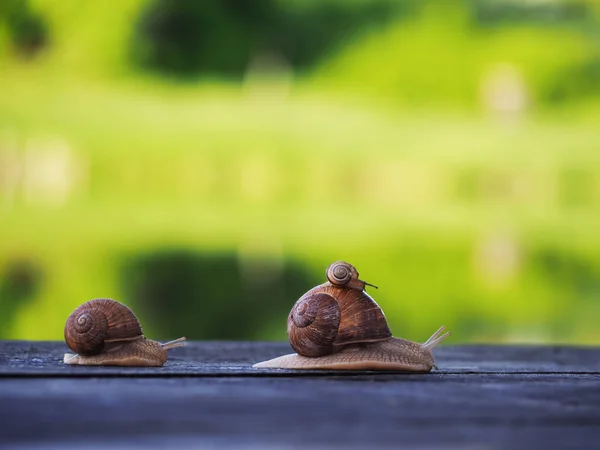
(204, 161)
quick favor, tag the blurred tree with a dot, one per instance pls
(310, 31)
(213, 296)
(221, 37)
(20, 281)
(187, 36)
(27, 31)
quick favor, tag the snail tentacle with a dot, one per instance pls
(436, 338)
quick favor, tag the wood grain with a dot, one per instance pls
(208, 395)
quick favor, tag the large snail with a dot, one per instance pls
(337, 325)
(105, 332)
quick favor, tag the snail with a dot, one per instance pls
(337, 325)
(105, 332)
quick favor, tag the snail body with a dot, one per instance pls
(337, 325)
(105, 332)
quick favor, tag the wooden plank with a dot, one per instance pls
(445, 411)
(208, 396)
(236, 358)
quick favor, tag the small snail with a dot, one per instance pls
(337, 325)
(105, 332)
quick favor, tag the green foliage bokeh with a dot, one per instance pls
(219, 158)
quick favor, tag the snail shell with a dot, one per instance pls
(99, 321)
(341, 273)
(338, 326)
(330, 316)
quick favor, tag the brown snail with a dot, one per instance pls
(105, 332)
(337, 325)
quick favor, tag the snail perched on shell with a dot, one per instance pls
(105, 332)
(337, 325)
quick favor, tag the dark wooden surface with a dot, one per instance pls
(209, 396)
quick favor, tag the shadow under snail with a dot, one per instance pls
(337, 325)
(104, 332)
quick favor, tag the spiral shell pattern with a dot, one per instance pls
(340, 273)
(97, 321)
(313, 324)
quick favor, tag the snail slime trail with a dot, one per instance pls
(337, 325)
(104, 332)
